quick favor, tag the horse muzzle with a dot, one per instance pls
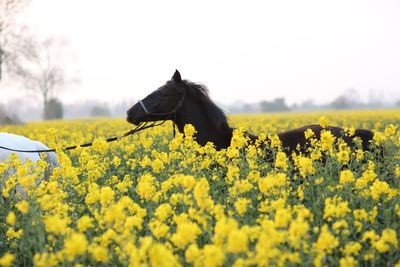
(135, 115)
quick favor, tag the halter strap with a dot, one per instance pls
(169, 114)
(143, 107)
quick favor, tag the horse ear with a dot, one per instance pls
(177, 77)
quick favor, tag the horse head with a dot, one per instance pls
(162, 104)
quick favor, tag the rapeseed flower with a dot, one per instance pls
(346, 177)
(22, 206)
(7, 259)
(75, 245)
(151, 199)
(241, 205)
(11, 218)
(326, 241)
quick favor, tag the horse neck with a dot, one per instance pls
(193, 112)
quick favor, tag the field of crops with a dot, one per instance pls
(151, 199)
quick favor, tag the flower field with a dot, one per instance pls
(154, 200)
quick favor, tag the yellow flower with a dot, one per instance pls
(316, 154)
(389, 237)
(390, 130)
(368, 176)
(379, 138)
(359, 154)
(114, 215)
(146, 188)
(281, 161)
(7, 259)
(93, 194)
(319, 180)
(157, 165)
(22, 206)
(379, 188)
(232, 152)
(55, 224)
(158, 228)
(347, 261)
(84, 223)
(12, 234)
(326, 242)
(238, 139)
(344, 154)
(308, 133)
(327, 140)
(335, 208)
(241, 205)
(192, 253)
(201, 196)
(232, 173)
(282, 218)
(352, 248)
(346, 177)
(106, 195)
(75, 245)
(155, 200)
(213, 256)
(163, 211)
(297, 232)
(99, 253)
(323, 121)
(45, 259)
(160, 255)
(240, 187)
(237, 241)
(372, 237)
(397, 171)
(186, 233)
(189, 130)
(116, 161)
(100, 145)
(222, 229)
(146, 161)
(350, 131)
(305, 166)
(11, 218)
(275, 141)
(27, 181)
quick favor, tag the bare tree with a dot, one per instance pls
(42, 67)
(8, 10)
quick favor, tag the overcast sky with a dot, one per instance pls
(242, 50)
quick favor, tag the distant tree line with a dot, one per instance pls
(276, 105)
(7, 118)
(349, 99)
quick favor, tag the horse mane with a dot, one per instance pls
(199, 92)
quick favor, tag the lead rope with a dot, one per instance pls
(140, 127)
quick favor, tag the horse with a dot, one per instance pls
(185, 102)
(18, 142)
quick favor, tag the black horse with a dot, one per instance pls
(185, 102)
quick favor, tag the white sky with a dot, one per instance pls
(242, 50)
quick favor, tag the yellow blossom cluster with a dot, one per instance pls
(152, 199)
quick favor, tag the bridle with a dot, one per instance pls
(170, 115)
